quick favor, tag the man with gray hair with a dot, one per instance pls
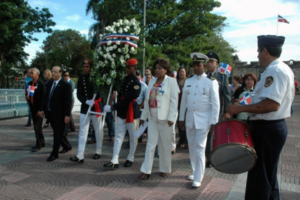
(35, 96)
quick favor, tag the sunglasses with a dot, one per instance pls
(66, 75)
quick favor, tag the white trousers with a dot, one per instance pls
(159, 133)
(174, 136)
(197, 143)
(121, 128)
(83, 132)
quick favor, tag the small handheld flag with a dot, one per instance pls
(283, 20)
(225, 68)
(245, 100)
(31, 91)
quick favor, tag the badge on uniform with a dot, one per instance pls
(269, 80)
(136, 87)
(203, 91)
(188, 86)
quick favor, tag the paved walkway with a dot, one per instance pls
(27, 175)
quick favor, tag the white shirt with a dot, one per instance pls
(200, 96)
(277, 84)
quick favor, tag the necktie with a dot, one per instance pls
(51, 93)
(31, 98)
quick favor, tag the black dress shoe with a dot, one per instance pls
(96, 156)
(64, 151)
(128, 163)
(51, 158)
(35, 149)
(75, 159)
(110, 165)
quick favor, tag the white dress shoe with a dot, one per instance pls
(191, 177)
(196, 184)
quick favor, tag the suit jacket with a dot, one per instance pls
(38, 97)
(85, 91)
(224, 93)
(131, 89)
(60, 102)
(167, 103)
(200, 98)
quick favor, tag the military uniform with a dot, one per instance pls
(85, 92)
(200, 100)
(224, 96)
(269, 129)
(127, 114)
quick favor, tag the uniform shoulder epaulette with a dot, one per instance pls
(211, 78)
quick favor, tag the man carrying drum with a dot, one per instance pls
(200, 100)
(271, 104)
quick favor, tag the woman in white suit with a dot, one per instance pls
(160, 108)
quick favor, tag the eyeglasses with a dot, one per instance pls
(66, 75)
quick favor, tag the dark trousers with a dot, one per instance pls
(37, 124)
(181, 133)
(71, 125)
(208, 146)
(59, 137)
(269, 138)
(29, 114)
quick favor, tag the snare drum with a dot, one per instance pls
(232, 147)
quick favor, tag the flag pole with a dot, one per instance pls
(144, 50)
(277, 26)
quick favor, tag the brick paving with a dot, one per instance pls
(27, 175)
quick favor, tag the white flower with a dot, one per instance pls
(114, 55)
(126, 21)
(121, 21)
(126, 45)
(127, 56)
(105, 63)
(127, 38)
(120, 31)
(117, 24)
(119, 50)
(127, 27)
(105, 56)
(118, 42)
(115, 47)
(108, 43)
(125, 30)
(132, 48)
(108, 81)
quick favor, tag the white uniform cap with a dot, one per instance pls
(195, 56)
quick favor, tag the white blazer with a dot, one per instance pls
(166, 103)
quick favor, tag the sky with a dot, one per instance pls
(245, 21)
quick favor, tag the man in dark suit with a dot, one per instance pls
(224, 93)
(70, 127)
(58, 103)
(35, 97)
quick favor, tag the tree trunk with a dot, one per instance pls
(97, 34)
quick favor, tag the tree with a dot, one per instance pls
(39, 62)
(66, 47)
(18, 23)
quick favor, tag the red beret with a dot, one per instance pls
(87, 61)
(131, 62)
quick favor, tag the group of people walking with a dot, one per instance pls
(196, 103)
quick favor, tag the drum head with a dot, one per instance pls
(233, 158)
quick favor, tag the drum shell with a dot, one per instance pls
(237, 129)
(232, 147)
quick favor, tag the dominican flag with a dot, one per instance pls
(225, 68)
(281, 19)
(245, 100)
(31, 90)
